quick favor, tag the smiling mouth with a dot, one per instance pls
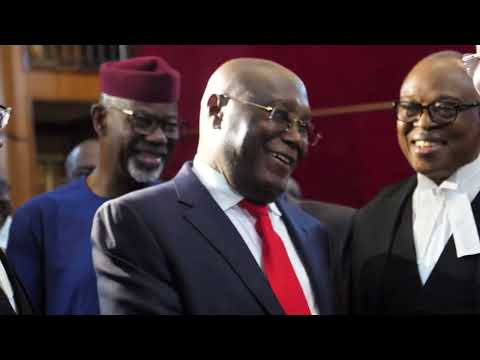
(427, 147)
(283, 158)
(427, 143)
(150, 159)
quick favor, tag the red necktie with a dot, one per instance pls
(276, 264)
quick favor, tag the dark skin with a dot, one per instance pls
(239, 141)
(434, 150)
(83, 159)
(118, 141)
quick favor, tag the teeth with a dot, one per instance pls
(282, 158)
(424, 143)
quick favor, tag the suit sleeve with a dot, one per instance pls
(24, 254)
(344, 275)
(133, 275)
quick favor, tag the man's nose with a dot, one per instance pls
(157, 136)
(424, 120)
(296, 139)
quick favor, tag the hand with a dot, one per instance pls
(472, 62)
(476, 75)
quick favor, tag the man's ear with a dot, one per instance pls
(215, 104)
(99, 119)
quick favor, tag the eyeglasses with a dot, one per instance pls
(4, 115)
(440, 112)
(144, 124)
(284, 121)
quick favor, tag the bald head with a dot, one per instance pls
(250, 77)
(257, 80)
(238, 136)
(82, 159)
(442, 70)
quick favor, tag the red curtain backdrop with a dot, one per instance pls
(359, 154)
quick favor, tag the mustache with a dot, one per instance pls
(143, 146)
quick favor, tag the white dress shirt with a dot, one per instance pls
(440, 211)
(4, 232)
(228, 199)
(7, 286)
(4, 282)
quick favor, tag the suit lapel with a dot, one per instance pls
(406, 243)
(312, 245)
(213, 224)
(476, 215)
(390, 218)
(21, 302)
(385, 230)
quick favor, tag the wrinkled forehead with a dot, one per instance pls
(432, 80)
(159, 109)
(271, 88)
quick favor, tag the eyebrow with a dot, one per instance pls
(285, 102)
(446, 97)
(438, 99)
(155, 115)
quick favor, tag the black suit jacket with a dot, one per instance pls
(22, 303)
(339, 220)
(170, 249)
(374, 228)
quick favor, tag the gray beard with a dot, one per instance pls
(143, 175)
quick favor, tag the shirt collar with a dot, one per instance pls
(6, 225)
(464, 180)
(457, 192)
(224, 195)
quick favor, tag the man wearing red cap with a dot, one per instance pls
(221, 237)
(136, 124)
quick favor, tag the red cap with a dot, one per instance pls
(146, 79)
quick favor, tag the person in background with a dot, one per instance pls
(82, 160)
(136, 122)
(293, 189)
